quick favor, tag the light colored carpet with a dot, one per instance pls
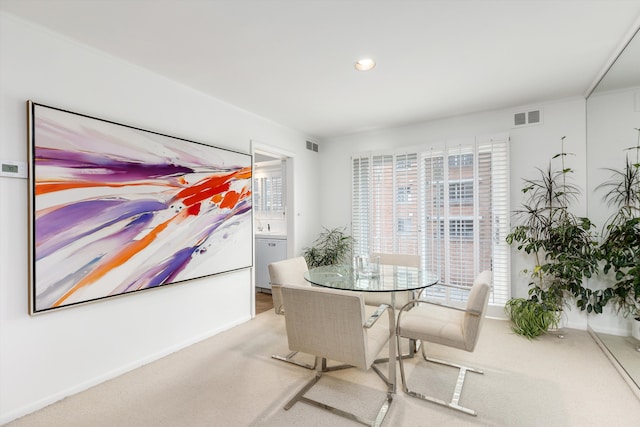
(231, 380)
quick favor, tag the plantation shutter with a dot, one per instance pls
(406, 219)
(360, 197)
(382, 204)
(494, 204)
(447, 203)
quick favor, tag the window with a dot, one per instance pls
(268, 189)
(461, 192)
(461, 229)
(459, 160)
(399, 205)
(385, 203)
(404, 225)
(403, 195)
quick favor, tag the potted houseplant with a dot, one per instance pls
(562, 246)
(620, 247)
(530, 318)
(332, 246)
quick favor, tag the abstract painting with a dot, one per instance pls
(116, 209)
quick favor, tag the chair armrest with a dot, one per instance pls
(453, 307)
(375, 316)
(448, 285)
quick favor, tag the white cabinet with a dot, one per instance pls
(268, 250)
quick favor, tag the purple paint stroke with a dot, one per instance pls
(63, 226)
(96, 167)
(159, 274)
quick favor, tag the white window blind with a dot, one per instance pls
(448, 203)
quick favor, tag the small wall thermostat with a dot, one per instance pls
(13, 169)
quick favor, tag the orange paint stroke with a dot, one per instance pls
(51, 187)
(118, 259)
(230, 200)
(243, 173)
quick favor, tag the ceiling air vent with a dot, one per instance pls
(527, 118)
(312, 146)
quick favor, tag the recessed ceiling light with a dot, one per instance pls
(365, 64)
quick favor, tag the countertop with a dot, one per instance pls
(270, 235)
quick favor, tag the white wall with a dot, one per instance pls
(612, 118)
(530, 147)
(46, 357)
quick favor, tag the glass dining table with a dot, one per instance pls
(386, 279)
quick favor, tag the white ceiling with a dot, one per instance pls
(292, 61)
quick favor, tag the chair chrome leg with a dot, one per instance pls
(320, 368)
(444, 362)
(289, 359)
(414, 345)
(455, 398)
(304, 389)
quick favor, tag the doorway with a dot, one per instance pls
(272, 205)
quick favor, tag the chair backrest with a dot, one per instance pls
(287, 272)
(477, 301)
(405, 260)
(328, 323)
(398, 259)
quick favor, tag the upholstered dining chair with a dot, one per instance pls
(287, 272)
(332, 325)
(405, 260)
(398, 259)
(446, 325)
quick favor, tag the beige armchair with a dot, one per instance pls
(401, 298)
(450, 326)
(332, 325)
(287, 272)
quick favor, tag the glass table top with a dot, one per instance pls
(389, 278)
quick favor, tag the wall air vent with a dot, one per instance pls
(527, 118)
(312, 146)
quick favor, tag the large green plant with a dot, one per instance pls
(620, 247)
(332, 246)
(561, 243)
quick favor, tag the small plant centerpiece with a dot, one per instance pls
(332, 246)
(620, 247)
(563, 248)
